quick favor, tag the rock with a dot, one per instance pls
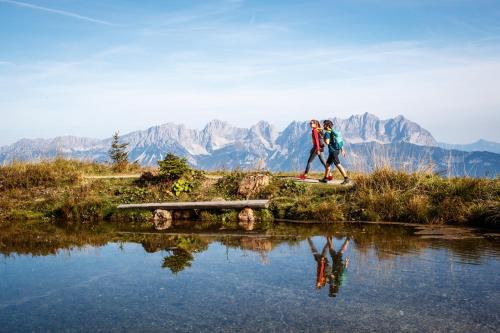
(252, 184)
(182, 215)
(162, 219)
(246, 219)
(247, 226)
(148, 176)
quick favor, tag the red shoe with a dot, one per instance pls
(329, 177)
(302, 176)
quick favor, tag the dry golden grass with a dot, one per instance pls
(52, 189)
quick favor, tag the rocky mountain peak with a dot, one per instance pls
(220, 144)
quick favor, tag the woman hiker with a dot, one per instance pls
(335, 144)
(317, 148)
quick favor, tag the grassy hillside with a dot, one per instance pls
(61, 190)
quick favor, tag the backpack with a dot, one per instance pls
(321, 136)
(336, 140)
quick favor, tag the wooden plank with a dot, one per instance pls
(200, 205)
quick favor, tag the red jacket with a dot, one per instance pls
(315, 139)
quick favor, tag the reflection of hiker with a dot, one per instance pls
(323, 269)
(338, 266)
(335, 147)
(317, 148)
(326, 272)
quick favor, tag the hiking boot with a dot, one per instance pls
(346, 181)
(329, 177)
(302, 176)
(324, 180)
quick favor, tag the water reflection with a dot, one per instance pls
(387, 241)
(115, 278)
(330, 273)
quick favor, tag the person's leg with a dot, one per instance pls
(325, 165)
(312, 247)
(329, 241)
(322, 159)
(328, 169)
(342, 170)
(312, 156)
(325, 250)
(339, 166)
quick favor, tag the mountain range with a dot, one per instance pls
(480, 145)
(370, 142)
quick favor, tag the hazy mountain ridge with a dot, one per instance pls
(480, 145)
(369, 141)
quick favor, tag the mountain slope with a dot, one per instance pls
(369, 142)
(480, 145)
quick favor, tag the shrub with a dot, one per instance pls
(173, 167)
(228, 185)
(181, 186)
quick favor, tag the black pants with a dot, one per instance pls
(312, 156)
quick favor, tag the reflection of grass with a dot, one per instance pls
(38, 238)
(58, 190)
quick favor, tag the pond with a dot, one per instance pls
(338, 277)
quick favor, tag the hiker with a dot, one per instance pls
(317, 148)
(338, 266)
(335, 144)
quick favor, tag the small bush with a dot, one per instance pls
(182, 186)
(228, 185)
(173, 167)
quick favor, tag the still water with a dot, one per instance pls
(346, 277)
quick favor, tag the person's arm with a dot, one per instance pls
(327, 138)
(342, 151)
(344, 246)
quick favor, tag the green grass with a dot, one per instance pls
(58, 191)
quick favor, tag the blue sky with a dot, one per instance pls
(88, 68)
